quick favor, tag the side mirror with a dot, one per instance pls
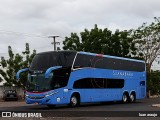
(20, 71)
(49, 70)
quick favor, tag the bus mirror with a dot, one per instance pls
(20, 71)
(49, 70)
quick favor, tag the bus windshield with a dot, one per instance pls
(38, 83)
(57, 79)
(45, 60)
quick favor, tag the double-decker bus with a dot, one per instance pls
(71, 77)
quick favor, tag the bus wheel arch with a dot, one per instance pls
(125, 97)
(74, 99)
(132, 97)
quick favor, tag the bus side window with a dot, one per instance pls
(83, 61)
(98, 83)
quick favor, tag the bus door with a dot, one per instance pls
(60, 81)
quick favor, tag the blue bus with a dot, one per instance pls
(71, 77)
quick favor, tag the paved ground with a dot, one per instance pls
(143, 106)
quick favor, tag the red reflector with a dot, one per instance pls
(99, 55)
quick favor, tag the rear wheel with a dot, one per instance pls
(125, 98)
(132, 98)
(74, 101)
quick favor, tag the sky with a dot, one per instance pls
(33, 21)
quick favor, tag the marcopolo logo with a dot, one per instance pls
(16, 114)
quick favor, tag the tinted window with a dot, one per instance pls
(118, 64)
(83, 60)
(10, 91)
(43, 61)
(98, 83)
(57, 79)
(115, 83)
(60, 78)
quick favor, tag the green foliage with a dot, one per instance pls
(103, 41)
(147, 38)
(13, 64)
(153, 82)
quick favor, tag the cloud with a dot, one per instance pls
(61, 17)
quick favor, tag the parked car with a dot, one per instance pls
(10, 95)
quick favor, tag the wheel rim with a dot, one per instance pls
(74, 101)
(132, 98)
(124, 98)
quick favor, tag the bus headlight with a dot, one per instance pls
(51, 93)
(26, 95)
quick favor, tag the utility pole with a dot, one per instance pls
(54, 41)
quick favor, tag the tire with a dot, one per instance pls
(132, 98)
(74, 101)
(124, 98)
(51, 106)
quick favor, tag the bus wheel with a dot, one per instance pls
(74, 101)
(124, 98)
(51, 106)
(132, 98)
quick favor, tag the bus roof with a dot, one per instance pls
(122, 58)
(94, 54)
(58, 51)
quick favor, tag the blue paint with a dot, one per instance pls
(94, 95)
(49, 70)
(132, 80)
(20, 71)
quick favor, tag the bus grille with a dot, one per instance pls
(36, 97)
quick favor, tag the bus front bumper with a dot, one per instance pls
(42, 101)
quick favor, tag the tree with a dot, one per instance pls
(13, 64)
(103, 41)
(154, 84)
(147, 38)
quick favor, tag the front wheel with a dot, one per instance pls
(74, 101)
